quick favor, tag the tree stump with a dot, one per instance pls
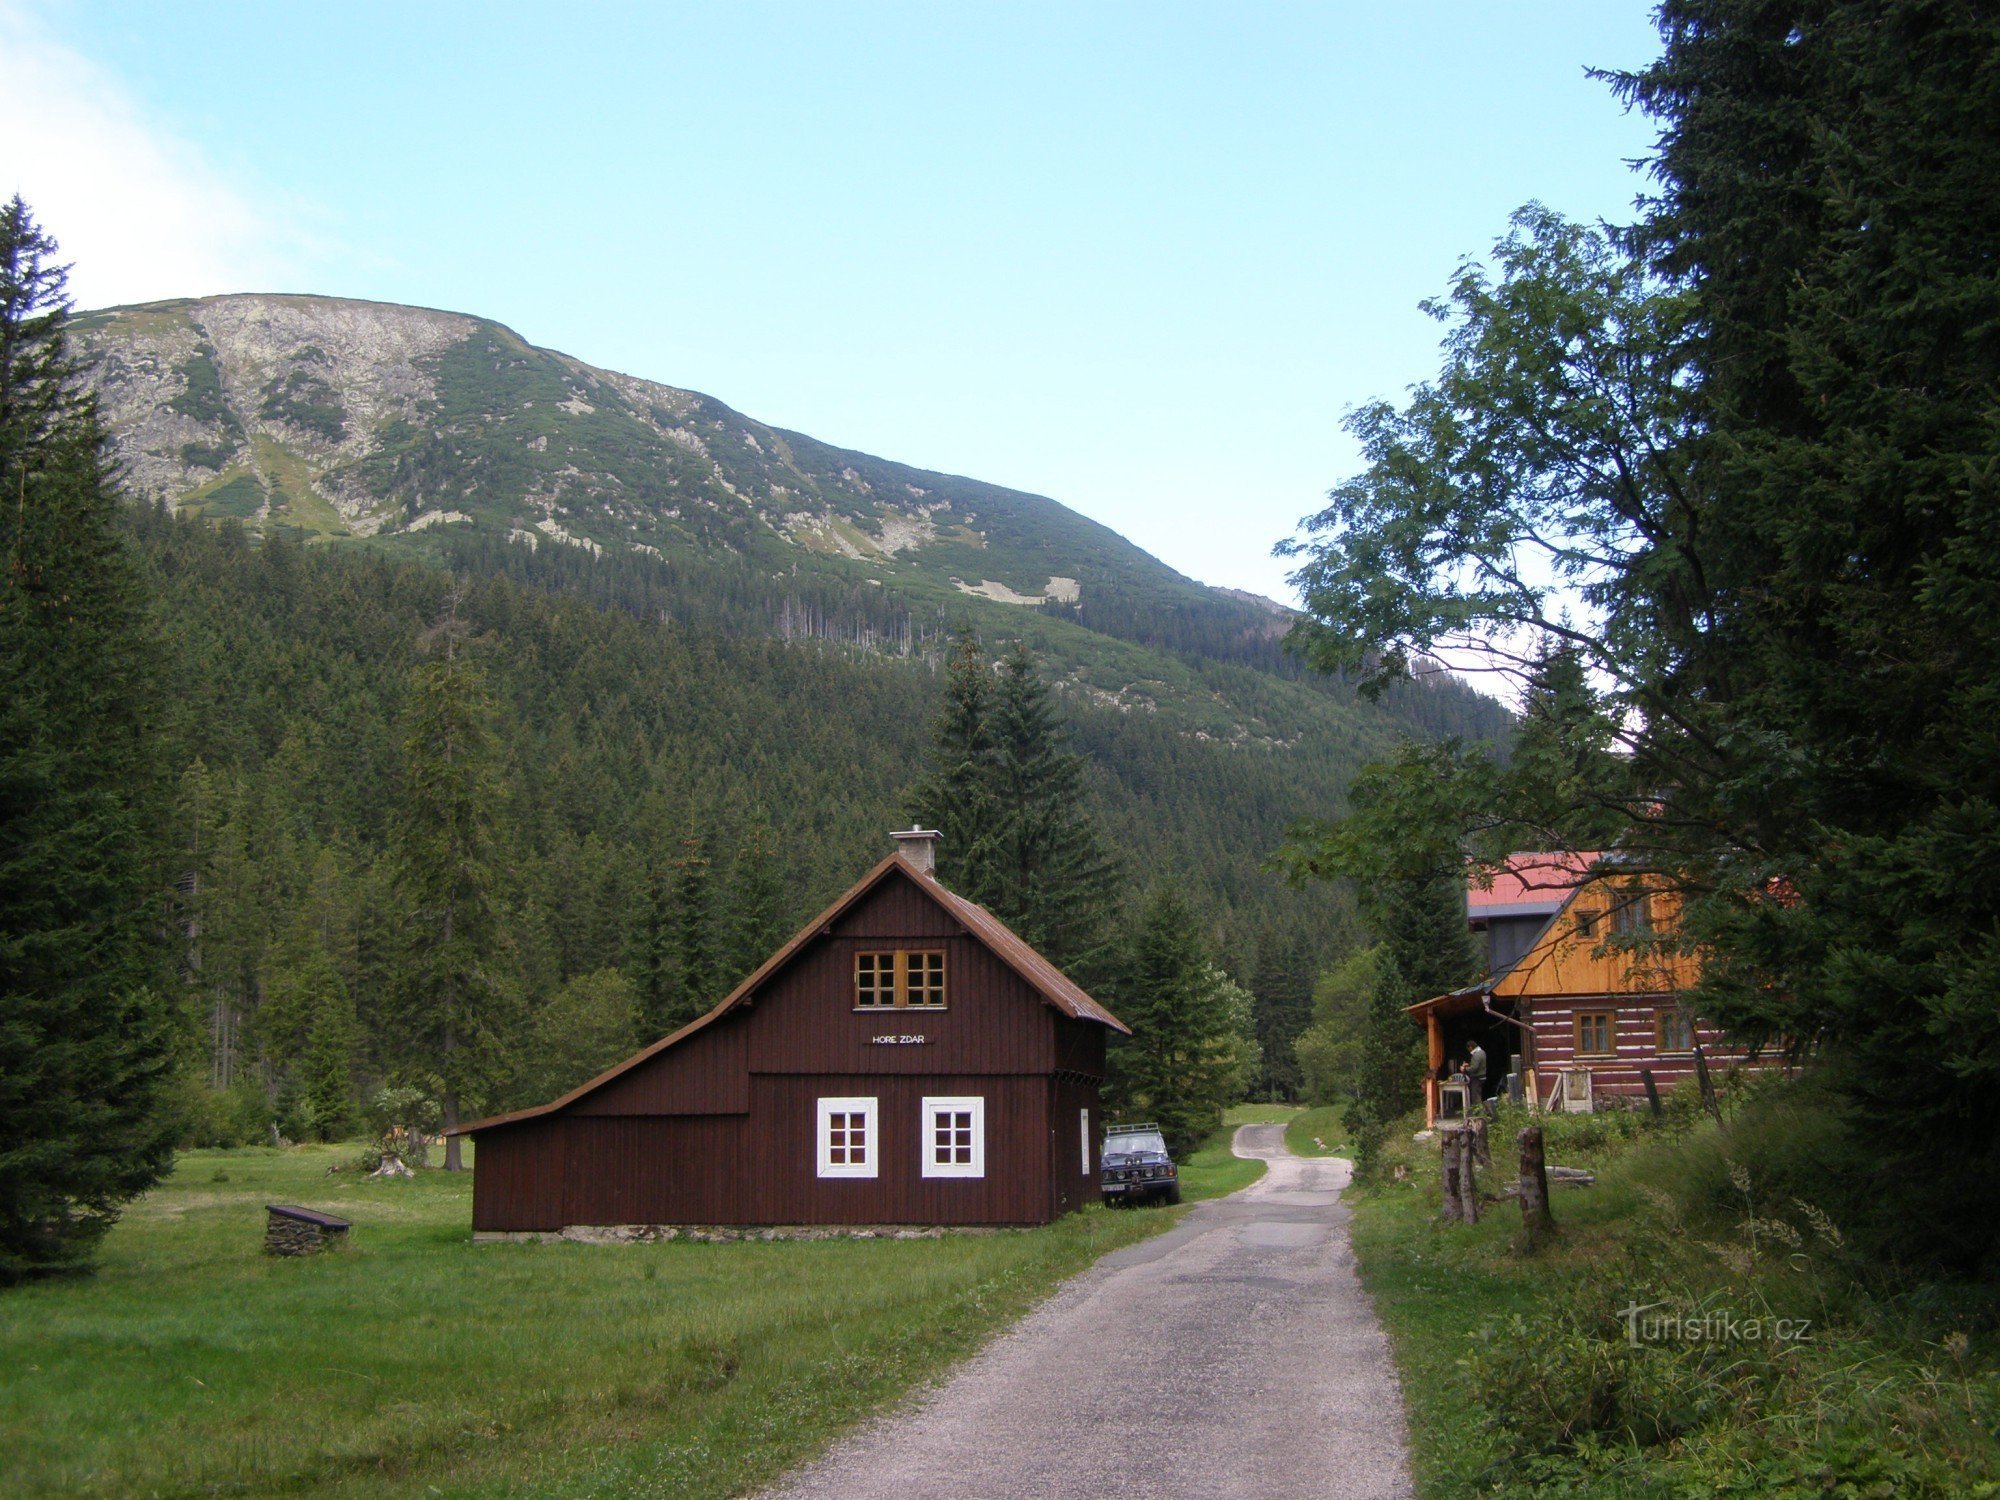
(1461, 1192)
(1449, 1164)
(1537, 1223)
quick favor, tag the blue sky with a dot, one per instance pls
(1137, 257)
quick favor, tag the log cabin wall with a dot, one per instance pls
(1635, 1039)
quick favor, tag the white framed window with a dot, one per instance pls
(1085, 1113)
(954, 1137)
(849, 1145)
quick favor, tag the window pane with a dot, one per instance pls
(874, 978)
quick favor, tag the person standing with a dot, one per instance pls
(1475, 1074)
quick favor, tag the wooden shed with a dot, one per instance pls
(904, 1059)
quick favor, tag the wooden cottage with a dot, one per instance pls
(1578, 1013)
(904, 1059)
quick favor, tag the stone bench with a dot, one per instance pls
(301, 1231)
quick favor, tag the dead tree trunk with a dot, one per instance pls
(1537, 1223)
(1707, 1085)
(1472, 1147)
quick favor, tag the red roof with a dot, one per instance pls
(1054, 986)
(1528, 884)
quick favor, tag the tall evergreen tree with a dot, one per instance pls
(1389, 1062)
(1826, 195)
(1283, 986)
(451, 990)
(1051, 877)
(696, 970)
(956, 794)
(85, 1035)
(326, 1072)
(1184, 1054)
(756, 902)
(658, 967)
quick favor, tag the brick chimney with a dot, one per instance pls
(918, 846)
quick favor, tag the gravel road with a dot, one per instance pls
(1235, 1355)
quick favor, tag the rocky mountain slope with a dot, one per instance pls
(363, 419)
(405, 428)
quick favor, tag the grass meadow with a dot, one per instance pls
(1521, 1379)
(413, 1363)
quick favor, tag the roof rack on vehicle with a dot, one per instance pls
(1129, 1129)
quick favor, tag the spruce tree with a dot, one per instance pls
(85, 1036)
(1283, 985)
(956, 795)
(1389, 1062)
(658, 969)
(1178, 1065)
(326, 1068)
(695, 967)
(1825, 195)
(756, 923)
(1052, 880)
(451, 993)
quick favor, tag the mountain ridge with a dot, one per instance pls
(448, 435)
(204, 393)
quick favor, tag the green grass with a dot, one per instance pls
(414, 1363)
(1518, 1378)
(1257, 1114)
(291, 479)
(1318, 1132)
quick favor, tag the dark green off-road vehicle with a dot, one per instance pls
(1137, 1168)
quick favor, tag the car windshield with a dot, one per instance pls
(1136, 1144)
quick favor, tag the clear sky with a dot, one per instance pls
(1139, 257)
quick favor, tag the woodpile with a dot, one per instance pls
(301, 1231)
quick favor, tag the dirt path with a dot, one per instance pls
(1235, 1355)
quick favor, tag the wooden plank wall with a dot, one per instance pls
(1071, 1184)
(1562, 963)
(762, 1168)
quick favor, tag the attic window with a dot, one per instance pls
(1634, 914)
(1586, 921)
(902, 977)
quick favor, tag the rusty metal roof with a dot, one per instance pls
(1054, 986)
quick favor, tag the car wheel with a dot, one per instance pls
(1174, 1193)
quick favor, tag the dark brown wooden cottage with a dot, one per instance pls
(904, 1059)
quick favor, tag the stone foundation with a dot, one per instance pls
(715, 1234)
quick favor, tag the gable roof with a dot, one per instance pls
(1054, 986)
(1528, 884)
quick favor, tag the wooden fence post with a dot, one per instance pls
(1537, 1223)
